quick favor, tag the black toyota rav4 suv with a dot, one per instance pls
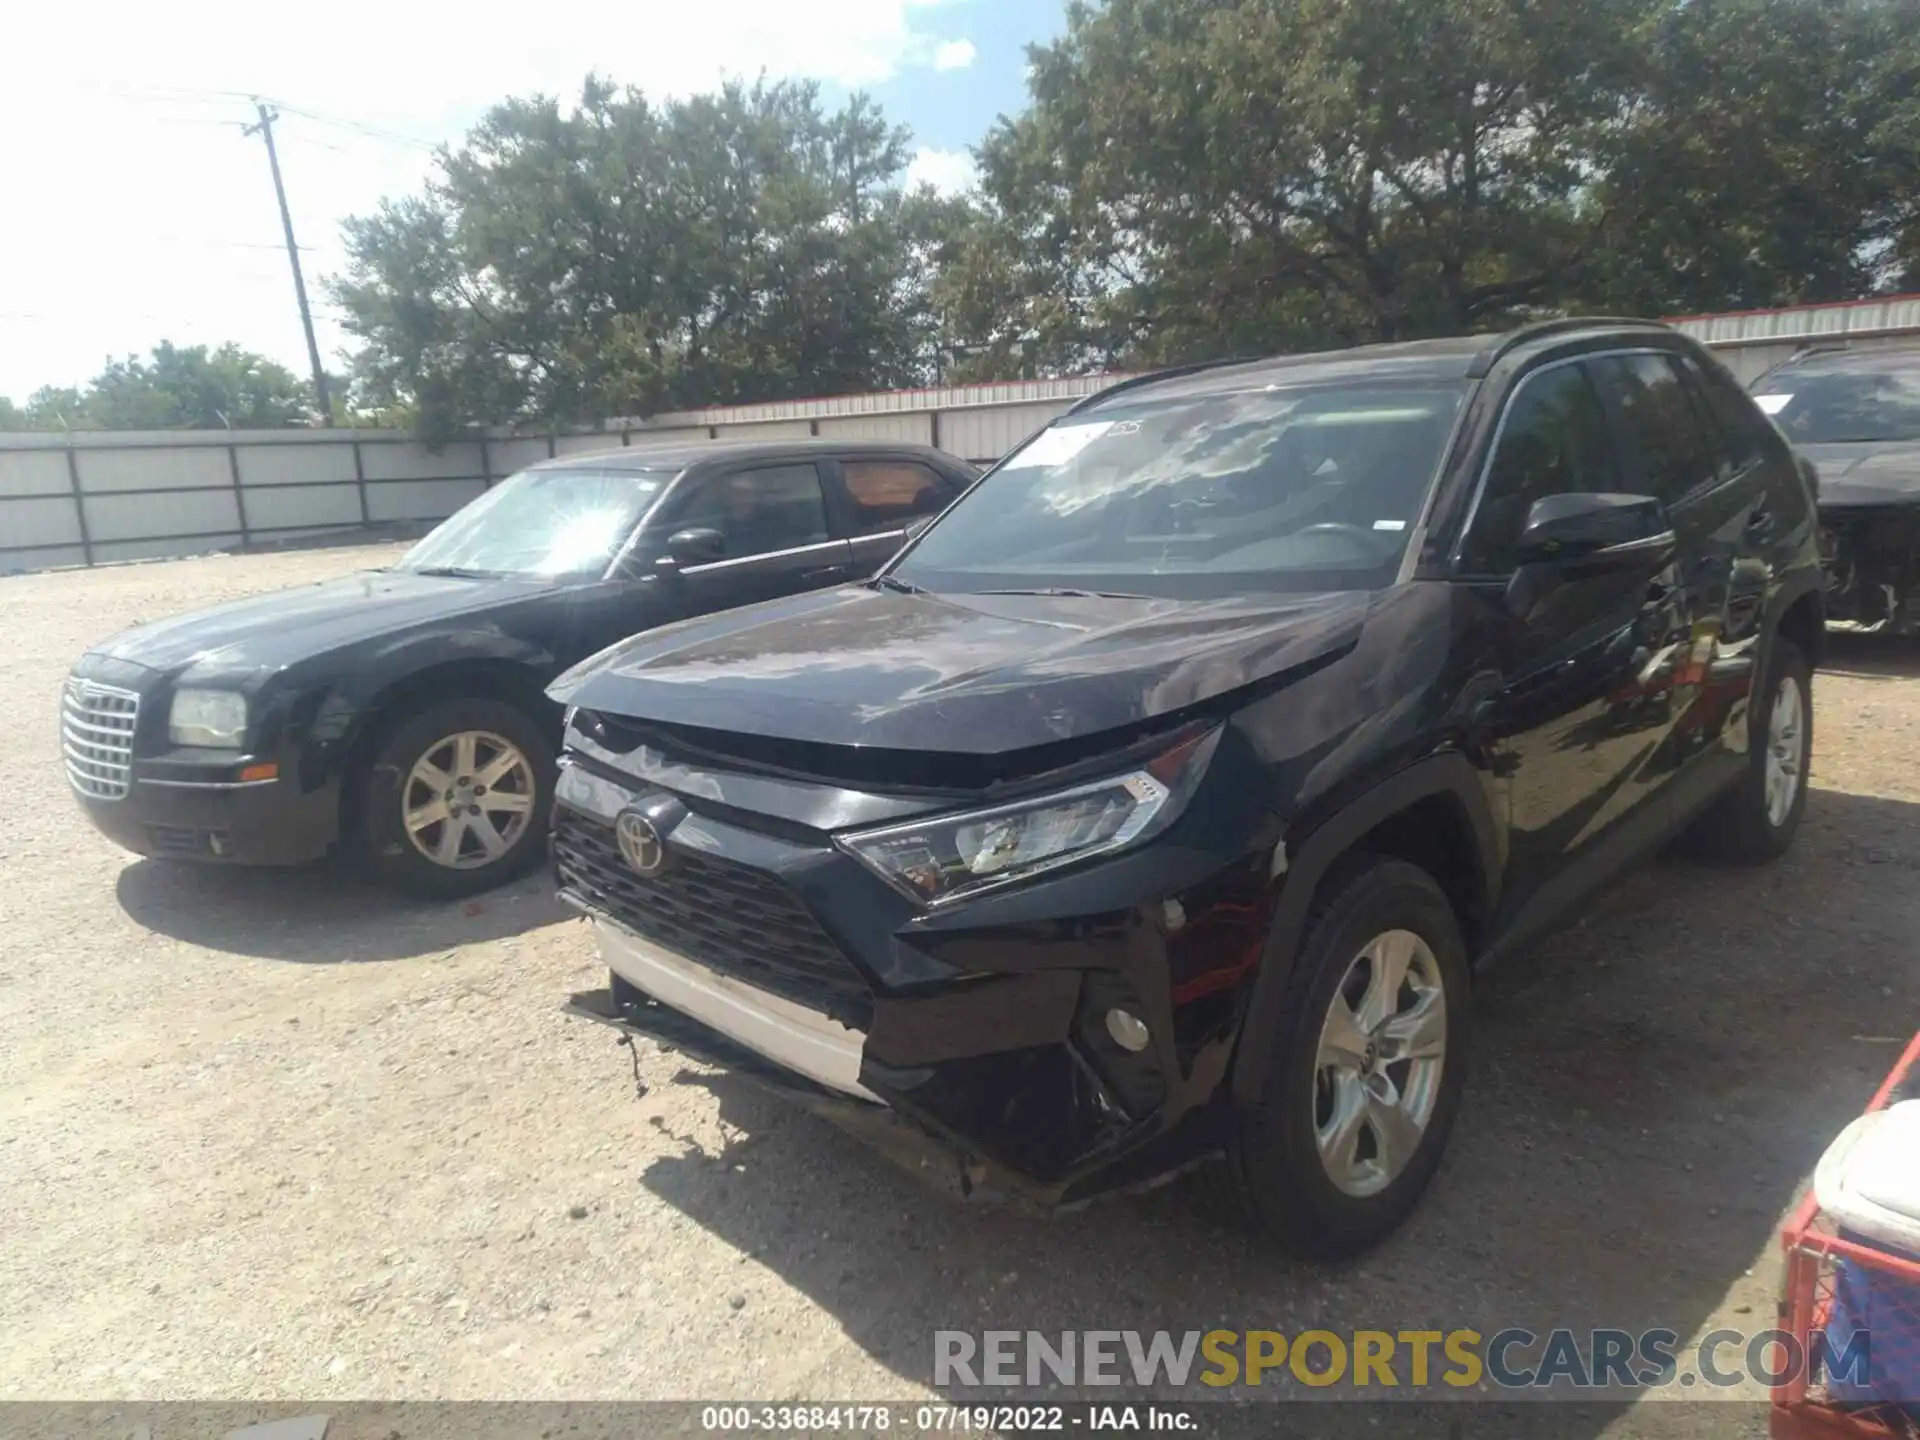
(1160, 800)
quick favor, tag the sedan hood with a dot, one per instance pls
(284, 627)
(982, 675)
(1884, 472)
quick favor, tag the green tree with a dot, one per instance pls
(623, 257)
(175, 388)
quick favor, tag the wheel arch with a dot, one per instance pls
(1433, 814)
(489, 677)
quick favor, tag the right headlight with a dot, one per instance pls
(945, 857)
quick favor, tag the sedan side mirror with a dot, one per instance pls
(696, 547)
(1590, 533)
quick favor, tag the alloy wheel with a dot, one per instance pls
(1377, 1070)
(468, 799)
(1785, 721)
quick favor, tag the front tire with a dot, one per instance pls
(1367, 1066)
(456, 799)
(1756, 820)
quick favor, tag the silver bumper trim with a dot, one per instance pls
(803, 1040)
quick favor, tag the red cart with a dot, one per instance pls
(1826, 1272)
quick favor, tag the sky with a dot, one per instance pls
(135, 210)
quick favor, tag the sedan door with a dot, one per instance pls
(776, 537)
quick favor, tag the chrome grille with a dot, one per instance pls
(96, 737)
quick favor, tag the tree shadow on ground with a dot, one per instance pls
(1653, 1082)
(320, 914)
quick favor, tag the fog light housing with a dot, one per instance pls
(1128, 1030)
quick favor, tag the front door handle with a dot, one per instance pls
(826, 575)
(1760, 523)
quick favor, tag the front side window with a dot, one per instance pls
(1661, 419)
(1835, 407)
(774, 507)
(1554, 441)
(888, 494)
(1315, 487)
(541, 522)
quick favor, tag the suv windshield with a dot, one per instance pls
(541, 522)
(1201, 497)
(1836, 407)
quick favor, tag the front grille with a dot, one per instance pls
(729, 917)
(96, 736)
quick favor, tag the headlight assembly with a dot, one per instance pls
(945, 857)
(214, 718)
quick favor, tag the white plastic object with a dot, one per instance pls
(1869, 1179)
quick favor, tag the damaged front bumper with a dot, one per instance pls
(1871, 557)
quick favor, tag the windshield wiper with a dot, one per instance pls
(1062, 592)
(899, 587)
(457, 572)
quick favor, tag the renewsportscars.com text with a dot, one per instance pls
(1375, 1361)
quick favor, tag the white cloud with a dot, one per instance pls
(954, 55)
(948, 171)
(154, 217)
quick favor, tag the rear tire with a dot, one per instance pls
(1350, 1122)
(456, 799)
(1752, 824)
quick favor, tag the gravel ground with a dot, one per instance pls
(273, 1136)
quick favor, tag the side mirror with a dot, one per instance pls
(696, 547)
(1590, 533)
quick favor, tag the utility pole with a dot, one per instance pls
(265, 129)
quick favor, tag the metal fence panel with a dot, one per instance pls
(294, 464)
(585, 444)
(511, 455)
(159, 515)
(142, 468)
(52, 521)
(49, 559)
(767, 430)
(405, 460)
(418, 499)
(32, 472)
(905, 426)
(988, 433)
(164, 549)
(283, 507)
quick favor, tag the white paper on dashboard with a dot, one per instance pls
(1058, 445)
(1773, 404)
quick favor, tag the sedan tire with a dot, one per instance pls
(456, 799)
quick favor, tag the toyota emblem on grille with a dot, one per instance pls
(640, 843)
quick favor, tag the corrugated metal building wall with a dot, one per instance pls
(93, 497)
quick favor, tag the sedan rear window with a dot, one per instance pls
(1313, 487)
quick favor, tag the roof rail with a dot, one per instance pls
(1172, 372)
(1501, 344)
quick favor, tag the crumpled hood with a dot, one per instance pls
(958, 674)
(269, 632)
(1884, 472)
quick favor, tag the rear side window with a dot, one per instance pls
(888, 494)
(1554, 441)
(1742, 428)
(1661, 419)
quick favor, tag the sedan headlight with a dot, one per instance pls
(215, 718)
(945, 857)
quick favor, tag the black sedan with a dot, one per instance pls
(400, 711)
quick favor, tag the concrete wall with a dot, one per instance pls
(96, 497)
